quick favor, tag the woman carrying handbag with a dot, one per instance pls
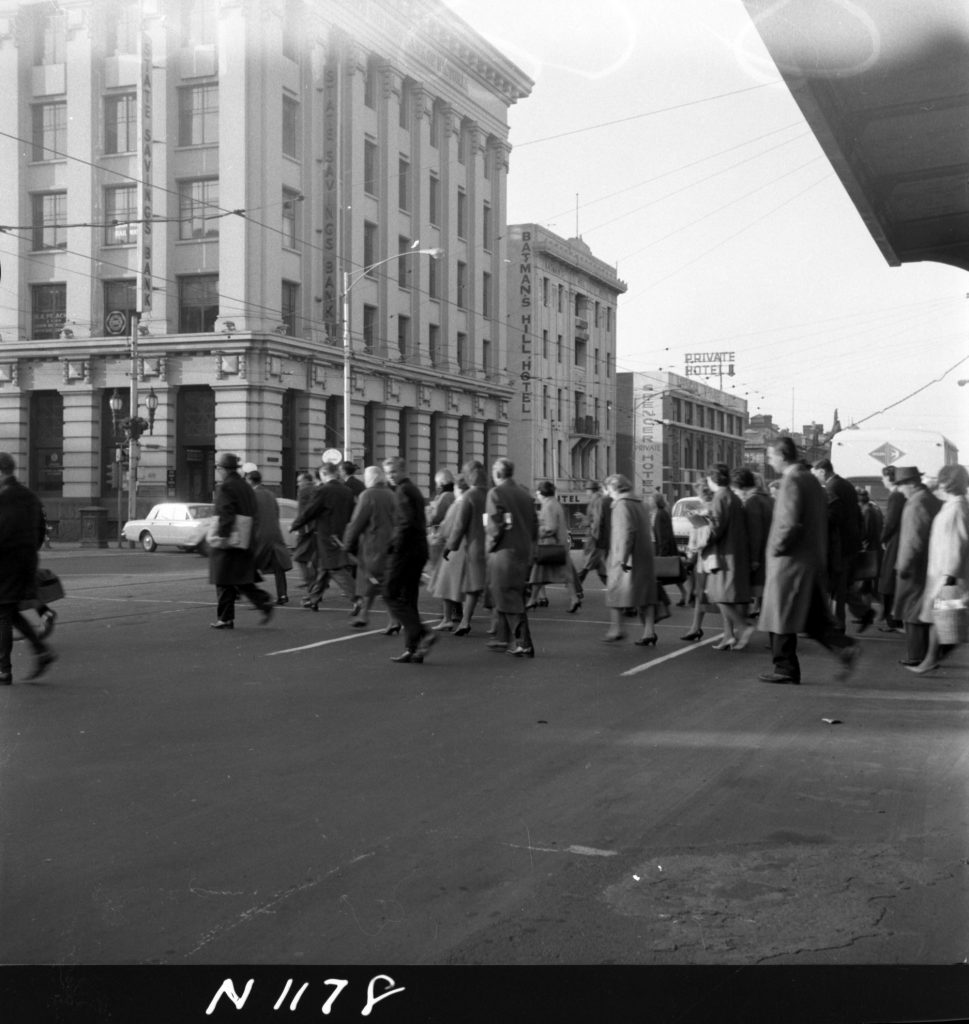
(552, 561)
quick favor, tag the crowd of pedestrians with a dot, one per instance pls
(790, 560)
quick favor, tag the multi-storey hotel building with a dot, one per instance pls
(208, 198)
(562, 305)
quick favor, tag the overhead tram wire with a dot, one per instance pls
(648, 113)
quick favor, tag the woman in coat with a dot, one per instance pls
(631, 580)
(697, 540)
(233, 570)
(553, 529)
(448, 585)
(664, 540)
(468, 535)
(758, 509)
(367, 537)
(437, 509)
(727, 561)
(948, 557)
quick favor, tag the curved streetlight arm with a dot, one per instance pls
(349, 280)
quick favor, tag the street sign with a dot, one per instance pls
(116, 322)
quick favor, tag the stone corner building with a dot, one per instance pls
(218, 167)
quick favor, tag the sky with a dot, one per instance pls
(662, 129)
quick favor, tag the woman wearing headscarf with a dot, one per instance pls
(367, 537)
(553, 529)
(436, 511)
(758, 509)
(948, 558)
(631, 580)
(728, 561)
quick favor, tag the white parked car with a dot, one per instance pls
(681, 519)
(181, 523)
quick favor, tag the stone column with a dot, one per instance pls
(311, 429)
(473, 441)
(387, 433)
(446, 443)
(497, 438)
(14, 418)
(82, 444)
(419, 446)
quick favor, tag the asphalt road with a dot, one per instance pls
(284, 794)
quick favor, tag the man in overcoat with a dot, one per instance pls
(795, 597)
(596, 545)
(511, 535)
(844, 541)
(911, 565)
(233, 570)
(330, 508)
(22, 531)
(889, 540)
(405, 561)
(271, 552)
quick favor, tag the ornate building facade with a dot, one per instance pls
(227, 193)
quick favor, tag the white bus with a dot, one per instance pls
(859, 455)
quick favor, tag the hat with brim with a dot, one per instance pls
(906, 474)
(228, 461)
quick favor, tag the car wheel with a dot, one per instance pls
(148, 542)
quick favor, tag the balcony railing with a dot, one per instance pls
(588, 426)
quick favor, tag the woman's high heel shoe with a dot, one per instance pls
(725, 645)
(462, 631)
(695, 635)
(392, 630)
(646, 641)
(575, 605)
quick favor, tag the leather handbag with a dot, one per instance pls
(240, 537)
(550, 554)
(668, 568)
(49, 588)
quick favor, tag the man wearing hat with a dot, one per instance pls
(911, 565)
(233, 570)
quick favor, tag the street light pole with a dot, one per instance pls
(132, 413)
(348, 282)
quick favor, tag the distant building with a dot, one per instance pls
(813, 442)
(671, 429)
(562, 333)
(281, 144)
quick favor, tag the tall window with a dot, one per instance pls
(369, 329)
(289, 306)
(48, 310)
(486, 357)
(486, 226)
(608, 364)
(406, 100)
(290, 127)
(120, 123)
(198, 303)
(558, 405)
(50, 131)
(121, 296)
(404, 268)
(403, 336)
(580, 353)
(370, 83)
(595, 321)
(462, 351)
(434, 200)
(545, 344)
(370, 167)
(124, 26)
(561, 296)
(595, 363)
(198, 115)
(50, 216)
(292, 23)
(120, 214)
(290, 205)
(545, 402)
(403, 184)
(486, 293)
(369, 245)
(200, 22)
(462, 213)
(462, 283)
(50, 41)
(434, 279)
(558, 348)
(545, 284)
(435, 128)
(198, 208)
(608, 318)
(434, 343)
(463, 138)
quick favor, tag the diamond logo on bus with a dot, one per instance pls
(886, 454)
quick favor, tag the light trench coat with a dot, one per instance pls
(630, 543)
(948, 551)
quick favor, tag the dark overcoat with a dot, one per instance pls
(758, 510)
(512, 531)
(330, 509)
(796, 584)
(368, 535)
(912, 564)
(407, 553)
(890, 528)
(844, 524)
(21, 526)
(664, 541)
(232, 567)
